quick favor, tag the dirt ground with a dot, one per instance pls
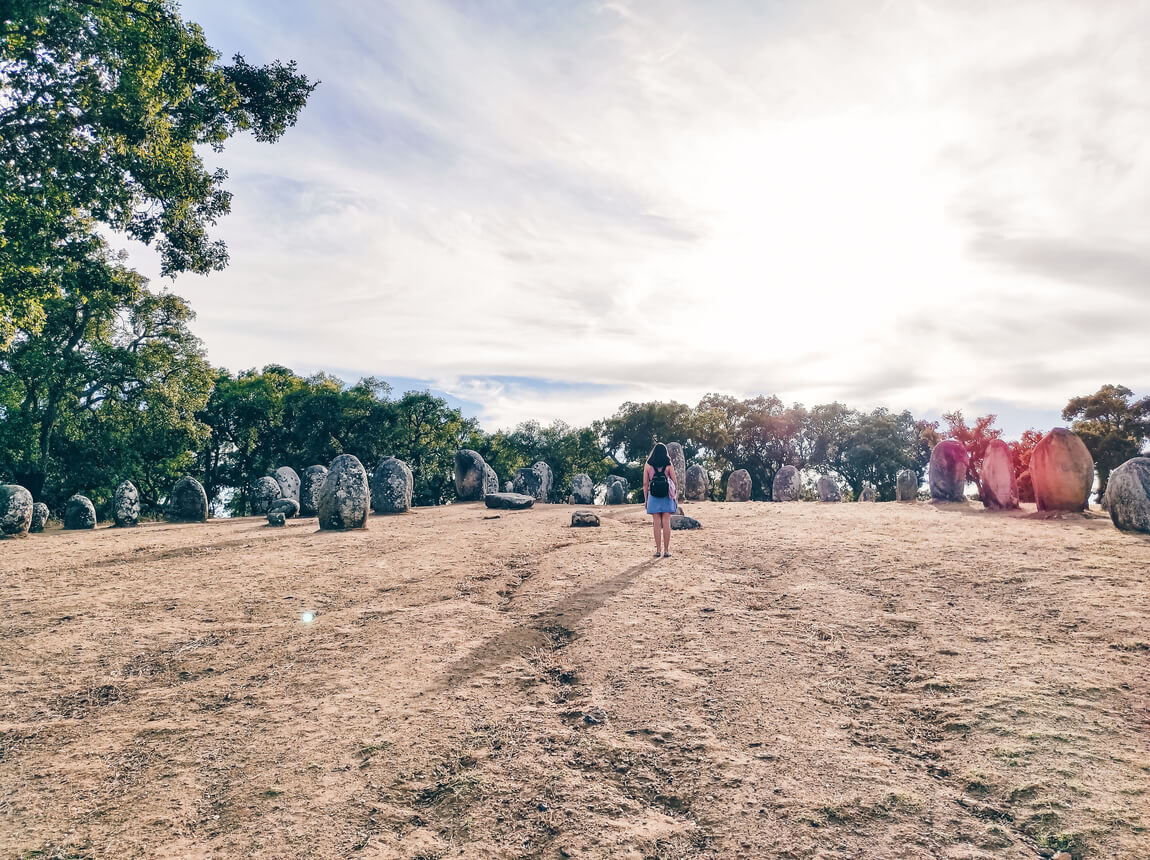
(798, 680)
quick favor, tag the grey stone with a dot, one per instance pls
(828, 490)
(1128, 495)
(126, 505)
(999, 487)
(681, 522)
(534, 481)
(696, 483)
(868, 494)
(739, 486)
(310, 483)
(678, 462)
(264, 491)
(948, 472)
(584, 518)
(617, 489)
(392, 486)
(16, 511)
(277, 518)
(787, 485)
(188, 503)
(470, 476)
(582, 490)
(40, 517)
(509, 486)
(1062, 472)
(906, 486)
(79, 513)
(345, 496)
(289, 482)
(288, 507)
(490, 479)
(508, 501)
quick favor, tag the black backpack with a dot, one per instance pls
(659, 486)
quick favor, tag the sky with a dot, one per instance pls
(542, 210)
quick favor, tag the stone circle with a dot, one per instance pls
(787, 485)
(948, 472)
(188, 503)
(126, 505)
(310, 483)
(79, 513)
(16, 510)
(739, 486)
(1062, 472)
(999, 487)
(345, 496)
(392, 486)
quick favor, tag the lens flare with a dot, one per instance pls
(307, 617)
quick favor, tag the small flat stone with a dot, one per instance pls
(508, 501)
(277, 518)
(681, 522)
(584, 518)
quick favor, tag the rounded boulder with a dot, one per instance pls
(868, 494)
(583, 519)
(696, 483)
(289, 482)
(392, 486)
(906, 486)
(79, 513)
(288, 507)
(188, 503)
(16, 510)
(582, 490)
(345, 495)
(265, 491)
(948, 472)
(739, 486)
(40, 517)
(470, 476)
(999, 486)
(1128, 495)
(617, 489)
(787, 485)
(126, 505)
(534, 481)
(828, 490)
(310, 484)
(1062, 472)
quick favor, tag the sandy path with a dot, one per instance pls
(798, 681)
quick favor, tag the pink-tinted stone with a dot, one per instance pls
(999, 487)
(1062, 472)
(948, 472)
(739, 486)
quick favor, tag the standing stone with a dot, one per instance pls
(264, 491)
(470, 476)
(126, 505)
(617, 489)
(787, 485)
(828, 490)
(345, 495)
(79, 513)
(1128, 495)
(582, 490)
(678, 462)
(581, 519)
(509, 486)
(739, 486)
(696, 483)
(40, 517)
(392, 486)
(188, 502)
(948, 472)
(1062, 472)
(16, 510)
(999, 487)
(490, 480)
(868, 494)
(289, 482)
(534, 481)
(906, 486)
(287, 507)
(309, 486)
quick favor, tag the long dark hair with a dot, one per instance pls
(659, 458)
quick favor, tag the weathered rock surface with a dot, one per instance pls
(79, 513)
(288, 507)
(582, 490)
(906, 486)
(509, 486)
(310, 483)
(682, 522)
(289, 482)
(787, 485)
(345, 496)
(948, 472)
(584, 518)
(617, 489)
(188, 503)
(696, 483)
(1128, 495)
(534, 481)
(868, 494)
(508, 501)
(1062, 472)
(490, 480)
(40, 517)
(277, 518)
(678, 462)
(16, 510)
(470, 476)
(264, 491)
(126, 505)
(999, 487)
(828, 490)
(739, 486)
(392, 486)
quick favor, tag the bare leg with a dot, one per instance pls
(666, 518)
(655, 521)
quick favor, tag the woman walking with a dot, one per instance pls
(659, 489)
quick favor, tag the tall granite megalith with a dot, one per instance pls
(289, 482)
(126, 505)
(906, 486)
(787, 485)
(345, 496)
(739, 486)
(697, 483)
(470, 476)
(999, 486)
(1062, 472)
(678, 462)
(310, 483)
(948, 472)
(392, 486)
(265, 491)
(79, 513)
(188, 502)
(828, 490)
(534, 481)
(15, 511)
(582, 490)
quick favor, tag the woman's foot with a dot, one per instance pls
(657, 553)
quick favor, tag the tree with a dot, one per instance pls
(879, 446)
(428, 433)
(567, 450)
(104, 104)
(974, 439)
(1020, 452)
(1113, 427)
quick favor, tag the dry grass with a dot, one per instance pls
(798, 681)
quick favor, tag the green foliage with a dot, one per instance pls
(878, 445)
(567, 450)
(1113, 427)
(105, 102)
